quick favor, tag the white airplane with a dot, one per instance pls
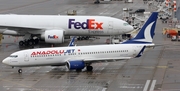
(53, 28)
(78, 57)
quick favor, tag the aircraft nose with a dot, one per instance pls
(130, 28)
(5, 61)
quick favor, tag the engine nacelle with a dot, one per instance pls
(53, 36)
(75, 64)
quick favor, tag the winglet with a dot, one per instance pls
(146, 34)
(71, 43)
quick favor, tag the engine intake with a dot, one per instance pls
(75, 64)
(53, 36)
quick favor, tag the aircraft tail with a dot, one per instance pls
(146, 34)
(71, 43)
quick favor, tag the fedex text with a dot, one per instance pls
(52, 37)
(89, 24)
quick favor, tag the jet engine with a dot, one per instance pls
(53, 36)
(75, 64)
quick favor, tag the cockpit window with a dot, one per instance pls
(13, 56)
(125, 24)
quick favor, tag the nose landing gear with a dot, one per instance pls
(20, 71)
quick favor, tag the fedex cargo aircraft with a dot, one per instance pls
(79, 57)
(53, 28)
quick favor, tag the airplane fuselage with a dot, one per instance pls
(60, 55)
(72, 25)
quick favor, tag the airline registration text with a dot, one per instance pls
(53, 52)
(89, 24)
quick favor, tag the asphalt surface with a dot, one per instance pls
(157, 70)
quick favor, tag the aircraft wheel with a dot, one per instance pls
(83, 38)
(20, 71)
(21, 43)
(26, 43)
(33, 41)
(87, 38)
(30, 42)
(89, 68)
(78, 38)
(36, 41)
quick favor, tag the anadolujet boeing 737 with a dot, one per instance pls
(53, 28)
(79, 57)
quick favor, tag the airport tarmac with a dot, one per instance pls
(157, 70)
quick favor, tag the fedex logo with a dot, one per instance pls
(89, 24)
(52, 37)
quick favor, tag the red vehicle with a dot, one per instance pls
(171, 33)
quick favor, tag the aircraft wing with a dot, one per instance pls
(23, 30)
(105, 59)
(95, 60)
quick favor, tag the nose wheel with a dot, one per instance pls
(20, 71)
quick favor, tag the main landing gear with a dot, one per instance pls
(89, 68)
(29, 42)
(83, 37)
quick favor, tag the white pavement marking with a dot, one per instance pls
(104, 89)
(152, 85)
(146, 85)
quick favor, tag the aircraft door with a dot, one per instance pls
(110, 25)
(26, 58)
(134, 51)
